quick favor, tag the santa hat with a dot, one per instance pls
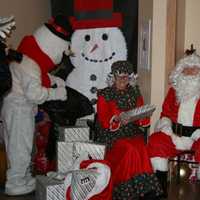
(93, 179)
(95, 14)
(60, 26)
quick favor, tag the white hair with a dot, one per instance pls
(186, 86)
(132, 79)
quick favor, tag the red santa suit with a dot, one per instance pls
(165, 144)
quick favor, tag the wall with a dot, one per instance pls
(152, 82)
(29, 14)
(145, 13)
(180, 29)
(192, 27)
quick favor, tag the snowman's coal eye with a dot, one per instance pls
(87, 38)
(105, 36)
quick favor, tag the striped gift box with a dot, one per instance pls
(64, 156)
(69, 152)
(76, 133)
(49, 189)
(95, 151)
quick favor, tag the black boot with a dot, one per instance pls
(162, 177)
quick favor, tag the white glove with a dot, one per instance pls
(196, 135)
(165, 125)
(182, 143)
(57, 80)
(59, 93)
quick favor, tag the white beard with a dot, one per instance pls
(187, 87)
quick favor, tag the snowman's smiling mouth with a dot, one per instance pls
(98, 61)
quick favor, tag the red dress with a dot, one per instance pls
(128, 156)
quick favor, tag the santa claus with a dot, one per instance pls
(178, 128)
(31, 85)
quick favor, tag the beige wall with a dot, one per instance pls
(158, 73)
(29, 14)
(180, 29)
(192, 24)
(145, 13)
(152, 82)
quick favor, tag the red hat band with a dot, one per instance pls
(58, 28)
(95, 14)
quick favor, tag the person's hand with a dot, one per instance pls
(59, 82)
(196, 135)
(59, 93)
(124, 121)
(55, 80)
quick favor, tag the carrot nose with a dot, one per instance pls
(94, 47)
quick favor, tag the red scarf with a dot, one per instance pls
(30, 48)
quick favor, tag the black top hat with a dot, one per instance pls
(60, 26)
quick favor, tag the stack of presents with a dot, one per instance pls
(73, 146)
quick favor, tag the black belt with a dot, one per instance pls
(181, 130)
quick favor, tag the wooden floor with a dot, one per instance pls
(183, 191)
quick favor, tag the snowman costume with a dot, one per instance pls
(31, 85)
(96, 43)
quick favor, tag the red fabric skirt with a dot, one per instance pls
(128, 157)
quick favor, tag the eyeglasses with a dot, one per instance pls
(122, 77)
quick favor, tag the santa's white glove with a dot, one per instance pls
(57, 81)
(165, 125)
(182, 143)
(196, 135)
(58, 93)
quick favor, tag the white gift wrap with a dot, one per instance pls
(49, 189)
(95, 151)
(64, 156)
(69, 152)
(76, 133)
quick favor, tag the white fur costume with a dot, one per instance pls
(19, 109)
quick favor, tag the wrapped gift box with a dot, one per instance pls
(68, 152)
(64, 156)
(49, 189)
(95, 151)
(74, 134)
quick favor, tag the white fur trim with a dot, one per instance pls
(103, 178)
(186, 112)
(165, 125)
(159, 163)
(67, 183)
(196, 135)
(182, 143)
